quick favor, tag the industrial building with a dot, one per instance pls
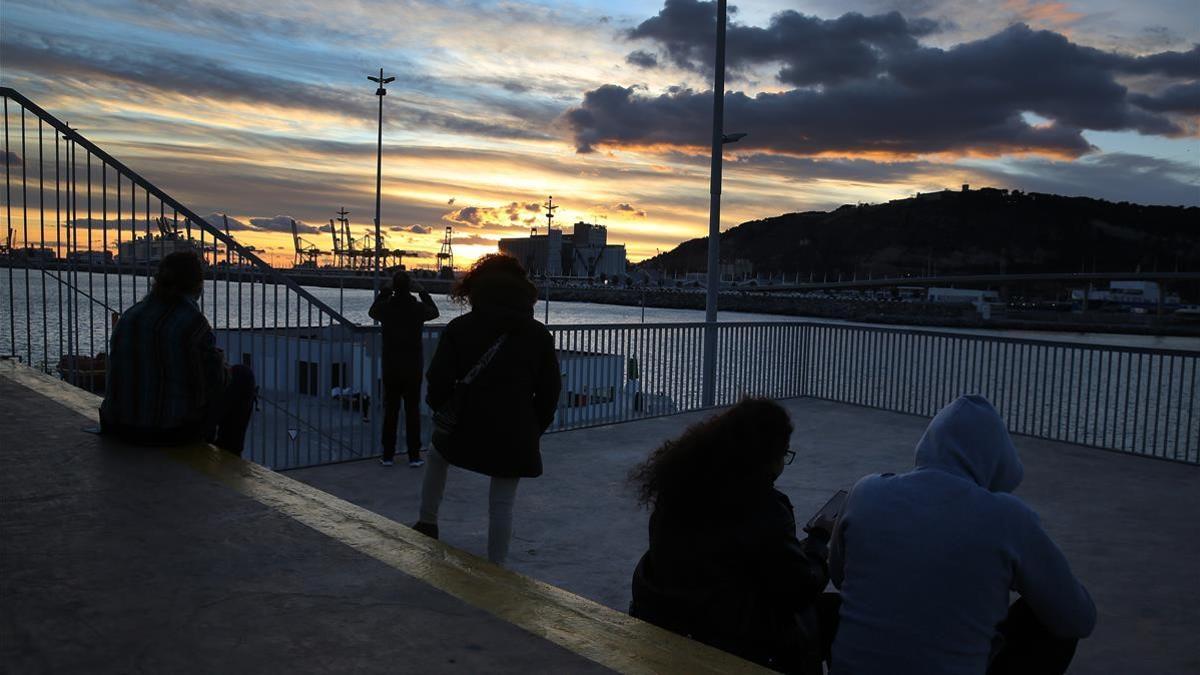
(583, 253)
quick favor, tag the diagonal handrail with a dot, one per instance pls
(75, 136)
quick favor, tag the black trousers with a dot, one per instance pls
(398, 389)
(232, 415)
(1025, 646)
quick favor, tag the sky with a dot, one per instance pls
(263, 111)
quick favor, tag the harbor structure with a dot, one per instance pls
(584, 253)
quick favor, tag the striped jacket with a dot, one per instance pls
(165, 374)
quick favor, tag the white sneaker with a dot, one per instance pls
(385, 462)
(416, 463)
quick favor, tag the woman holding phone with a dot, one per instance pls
(725, 566)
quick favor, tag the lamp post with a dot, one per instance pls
(719, 138)
(380, 92)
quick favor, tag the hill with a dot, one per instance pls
(986, 230)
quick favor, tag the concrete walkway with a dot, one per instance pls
(189, 560)
(1129, 525)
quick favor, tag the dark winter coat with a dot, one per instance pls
(512, 402)
(402, 318)
(732, 577)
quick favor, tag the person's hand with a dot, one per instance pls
(822, 527)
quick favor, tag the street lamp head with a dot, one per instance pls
(732, 138)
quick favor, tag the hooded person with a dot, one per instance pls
(925, 561)
(509, 403)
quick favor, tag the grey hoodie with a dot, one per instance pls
(925, 560)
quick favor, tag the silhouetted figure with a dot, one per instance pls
(725, 566)
(402, 317)
(167, 382)
(502, 413)
(925, 561)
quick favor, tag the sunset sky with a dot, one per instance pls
(259, 110)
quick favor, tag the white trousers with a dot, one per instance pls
(501, 497)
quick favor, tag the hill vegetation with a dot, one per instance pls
(986, 230)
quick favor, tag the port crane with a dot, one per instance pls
(306, 251)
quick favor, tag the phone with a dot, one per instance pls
(829, 512)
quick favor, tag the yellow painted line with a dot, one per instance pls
(589, 629)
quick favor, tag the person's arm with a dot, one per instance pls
(214, 371)
(379, 307)
(1044, 579)
(548, 383)
(796, 568)
(442, 369)
(428, 307)
(837, 541)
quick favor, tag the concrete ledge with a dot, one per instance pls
(586, 628)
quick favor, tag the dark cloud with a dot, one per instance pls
(886, 94)
(420, 229)
(1180, 98)
(10, 157)
(642, 59)
(811, 50)
(630, 208)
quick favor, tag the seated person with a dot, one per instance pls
(167, 382)
(724, 565)
(925, 561)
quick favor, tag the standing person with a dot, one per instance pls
(503, 412)
(925, 561)
(725, 566)
(167, 382)
(402, 317)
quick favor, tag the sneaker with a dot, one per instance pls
(416, 463)
(427, 529)
(385, 462)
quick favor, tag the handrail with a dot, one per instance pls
(75, 136)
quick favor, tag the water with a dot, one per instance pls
(1056, 386)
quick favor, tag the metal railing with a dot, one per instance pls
(84, 233)
(70, 206)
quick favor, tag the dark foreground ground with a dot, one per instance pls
(1130, 526)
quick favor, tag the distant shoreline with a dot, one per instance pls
(932, 315)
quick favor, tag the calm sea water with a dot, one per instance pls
(1142, 402)
(59, 307)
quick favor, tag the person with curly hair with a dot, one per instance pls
(725, 566)
(507, 404)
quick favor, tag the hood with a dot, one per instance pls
(968, 439)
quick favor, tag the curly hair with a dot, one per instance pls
(495, 277)
(717, 461)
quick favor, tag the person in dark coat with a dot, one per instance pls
(167, 382)
(402, 317)
(506, 408)
(725, 566)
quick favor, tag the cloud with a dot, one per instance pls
(642, 59)
(283, 224)
(148, 72)
(420, 229)
(513, 214)
(1114, 176)
(810, 50)
(1179, 98)
(884, 94)
(629, 208)
(10, 158)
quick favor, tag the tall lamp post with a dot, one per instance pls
(380, 92)
(719, 138)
